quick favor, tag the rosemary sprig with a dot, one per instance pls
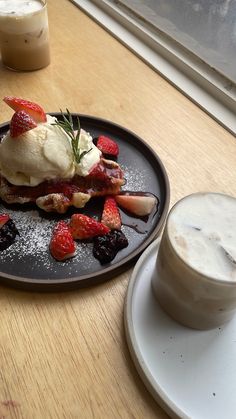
(67, 125)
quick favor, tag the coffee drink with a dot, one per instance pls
(195, 277)
(24, 37)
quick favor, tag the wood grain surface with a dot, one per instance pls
(65, 355)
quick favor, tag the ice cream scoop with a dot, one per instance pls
(44, 153)
(91, 154)
(37, 155)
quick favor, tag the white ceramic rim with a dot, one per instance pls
(155, 389)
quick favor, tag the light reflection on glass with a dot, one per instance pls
(206, 27)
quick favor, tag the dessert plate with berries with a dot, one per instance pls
(80, 198)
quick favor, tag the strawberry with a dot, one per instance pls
(111, 214)
(4, 218)
(107, 146)
(99, 172)
(84, 227)
(140, 205)
(34, 110)
(20, 123)
(62, 245)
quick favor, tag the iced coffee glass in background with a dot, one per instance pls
(195, 276)
(24, 36)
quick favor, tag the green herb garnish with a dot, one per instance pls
(67, 125)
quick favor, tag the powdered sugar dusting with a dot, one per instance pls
(136, 180)
(29, 255)
(30, 252)
(34, 233)
(31, 249)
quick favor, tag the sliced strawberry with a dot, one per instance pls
(34, 110)
(84, 227)
(107, 146)
(111, 214)
(99, 172)
(140, 205)
(4, 218)
(62, 245)
(20, 123)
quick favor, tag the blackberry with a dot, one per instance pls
(8, 234)
(106, 247)
(103, 253)
(120, 240)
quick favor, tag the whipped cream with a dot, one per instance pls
(45, 153)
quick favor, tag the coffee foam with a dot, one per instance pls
(202, 230)
(15, 18)
(19, 7)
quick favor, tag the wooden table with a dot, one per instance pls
(65, 355)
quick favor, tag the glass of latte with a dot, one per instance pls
(195, 276)
(24, 36)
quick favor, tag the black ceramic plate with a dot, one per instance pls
(28, 264)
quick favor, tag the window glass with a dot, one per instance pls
(206, 27)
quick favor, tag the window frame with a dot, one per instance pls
(201, 83)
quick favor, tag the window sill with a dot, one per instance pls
(203, 85)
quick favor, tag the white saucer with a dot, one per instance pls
(190, 373)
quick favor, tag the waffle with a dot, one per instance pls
(106, 178)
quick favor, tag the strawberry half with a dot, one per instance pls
(84, 227)
(107, 146)
(98, 172)
(111, 214)
(21, 122)
(140, 205)
(62, 245)
(34, 110)
(4, 218)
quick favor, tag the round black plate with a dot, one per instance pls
(28, 264)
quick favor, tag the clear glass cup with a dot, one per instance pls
(24, 35)
(195, 276)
